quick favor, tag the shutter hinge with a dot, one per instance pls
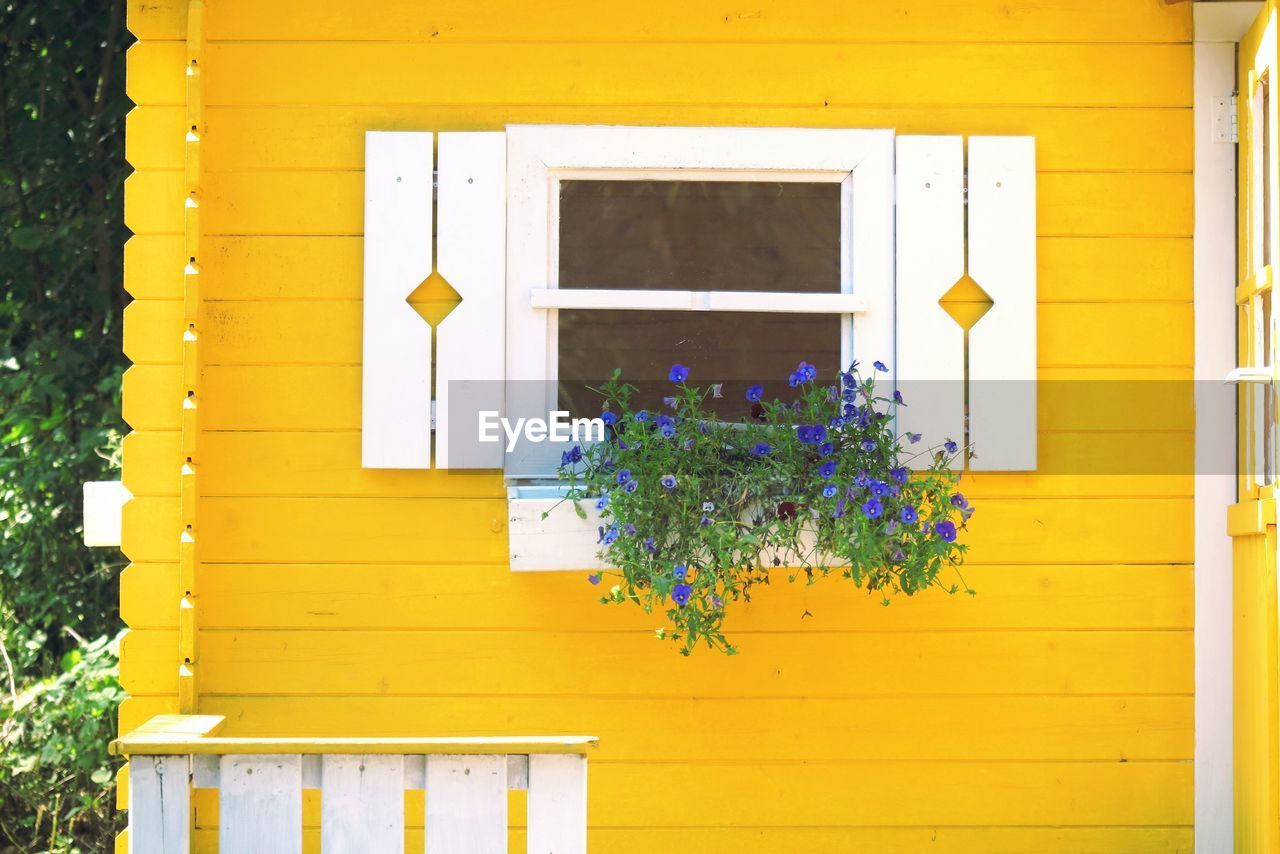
(1226, 119)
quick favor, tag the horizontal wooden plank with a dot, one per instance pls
(135, 711)
(153, 397)
(332, 137)
(473, 530)
(345, 596)
(1119, 269)
(328, 464)
(810, 664)
(1085, 204)
(149, 595)
(328, 333)
(782, 730)
(149, 662)
(328, 398)
(667, 20)
(806, 840)
(152, 463)
(152, 527)
(608, 74)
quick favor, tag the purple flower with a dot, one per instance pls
(829, 491)
(826, 449)
(958, 500)
(880, 366)
(804, 433)
(913, 437)
(755, 392)
(899, 474)
(668, 431)
(868, 445)
(704, 522)
(950, 447)
(908, 515)
(688, 443)
(679, 373)
(624, 475)
(827, 469)
(594, 578)
(897, 398)
(608, 418)
(571, 456)
(610, 536)
(680, 572)
(669, 481)
(761, 449)
(946, 530)
(673, 402)
(642, 415)
(872, 508)
(629, 529)
(664, 421)
(879, 488)
(680, 594)
(708, 507)
(649, 545)
(807, 371)
(630, 486)
(794, 380)
(819, 434)
(838, 513)
(603, 502)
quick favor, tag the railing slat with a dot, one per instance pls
(361, 804)
(159, 805)
(260, 805)
(466, 805)
(557, 804)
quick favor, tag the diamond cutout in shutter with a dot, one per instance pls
(966, 302)
(434, 299)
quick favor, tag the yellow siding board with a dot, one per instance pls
(328, 203)
(315, 596)
(327, 464)
(148, 593)
(672, 20)
(153, 397)
(839, 840)
(391, 662)
(328, 333)
(152, 463)
(472, 530)
(332, 138)
(682, 73)
(766, 730)
(149, 662)
(1122, 269)
(151, 527)
(153, 266)
(301, 397)
(153, 202)
(136, 711)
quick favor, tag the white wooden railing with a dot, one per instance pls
(362, 783)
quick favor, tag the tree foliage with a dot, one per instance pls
(61, 174)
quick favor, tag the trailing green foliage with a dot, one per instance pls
(696, 511)
(62, 108)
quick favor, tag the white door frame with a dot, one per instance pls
(1218, 28)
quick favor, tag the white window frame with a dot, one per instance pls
(540, 156)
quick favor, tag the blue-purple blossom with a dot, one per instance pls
(680, 594)
(649, 545)
(669, 481)
(594, 578)
(624, 476)
(704, 522)
(880, 366)
(630, 486)
(829, 491)
(872, 508)
(603, 502)
(908, 515)
(678, 374)
(807, 371)
(795, 379)
(958, 500)
(914, 437)
(668, 431)
(629, 530)
(827, 469)
(754, 393)
(879, 488)
(609, 418)
(761, 449)
(826, 449)
(897, 398)
(673, 402)
(867, 445)
(642, 415)
(707, 507)
(839, 513)
(608, 536)
(680, 572)
(899, 474)
(571, 456)
(950, 446)
(947, 530)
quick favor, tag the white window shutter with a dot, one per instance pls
(930, 260)
(396, 385)
(471, 245)
(1002, 260)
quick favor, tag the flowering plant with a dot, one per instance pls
(695, 511)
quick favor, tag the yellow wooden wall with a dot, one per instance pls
(1053, 712)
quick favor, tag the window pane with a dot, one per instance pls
(735, 348)
(700, 235)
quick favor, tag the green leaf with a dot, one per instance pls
(27, 238)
